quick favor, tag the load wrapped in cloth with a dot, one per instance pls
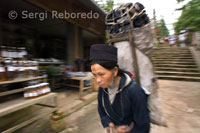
(125, 17)
(135, 47)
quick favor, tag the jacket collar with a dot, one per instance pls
(125, 81)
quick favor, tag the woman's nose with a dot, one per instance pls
(98, 79)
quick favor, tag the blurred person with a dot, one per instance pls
(122, 104)
(78, 64)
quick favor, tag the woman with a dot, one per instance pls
(122, 104)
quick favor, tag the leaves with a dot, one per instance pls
(163, 31)
(190, 17)
(179, 0)
(109, 5)
(160, 26)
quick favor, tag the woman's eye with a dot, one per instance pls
(101, 74)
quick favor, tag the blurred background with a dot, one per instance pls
(44, 53)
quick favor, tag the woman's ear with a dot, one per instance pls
(116, 69)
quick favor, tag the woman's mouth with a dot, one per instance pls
(101, 85)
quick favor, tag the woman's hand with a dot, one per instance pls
(119, 129)
(124, 129)
(111, 128)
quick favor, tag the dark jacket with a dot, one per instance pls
(130, 105)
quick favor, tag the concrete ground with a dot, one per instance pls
(180, 101)
(181, 107)
(85, 120)
(69, 101)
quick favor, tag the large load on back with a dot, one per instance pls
(130, 31)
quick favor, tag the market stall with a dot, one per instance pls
(20, 85)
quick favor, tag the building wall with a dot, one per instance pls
(69, 43)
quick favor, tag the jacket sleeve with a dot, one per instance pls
(140, 110)
(105, 120)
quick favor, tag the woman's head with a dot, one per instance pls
(104, 64)
(104, 72)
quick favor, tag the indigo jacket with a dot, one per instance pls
(130, 105)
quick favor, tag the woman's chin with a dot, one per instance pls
(103, 86)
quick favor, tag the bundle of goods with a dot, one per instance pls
(130, 31)
(126, 17)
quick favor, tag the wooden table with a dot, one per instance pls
(81, 83)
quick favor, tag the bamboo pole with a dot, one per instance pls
(133, 51)
(135, 63)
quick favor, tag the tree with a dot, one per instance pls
(190, 17)
(107, 5)
(155, 23)
(154, 15)
(162, 29)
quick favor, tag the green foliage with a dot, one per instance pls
(163, 31)
(190, 17)
(109, 5)
(179, 0)
(160, 26)
(154, 15)
(106, 37)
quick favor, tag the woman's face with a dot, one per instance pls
(103, 76)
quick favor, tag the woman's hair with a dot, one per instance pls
(107, 64)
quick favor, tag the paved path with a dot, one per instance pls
(181, 107)
(85, 120)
